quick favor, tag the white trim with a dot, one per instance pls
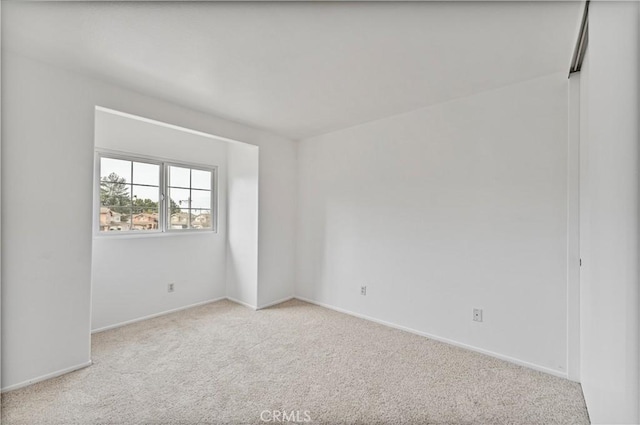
(148, 234)
(441, 339)
(151, 316)
(272, 303)
(45, 377)
(252, 307)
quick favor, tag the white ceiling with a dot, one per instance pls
(300, 69)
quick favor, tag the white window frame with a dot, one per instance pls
(164, 205)
(214, 196)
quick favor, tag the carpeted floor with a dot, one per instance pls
(222, 363)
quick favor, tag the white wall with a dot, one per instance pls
(573, 230)
(444, 209)
(1, 137)
(242, 249)
(277, 221)
(610, 213)
(130, 273)
(47, 166)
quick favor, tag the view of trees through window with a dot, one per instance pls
(130, 194)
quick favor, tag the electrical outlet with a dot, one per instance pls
(363, 290)
(477, 315)
(171, 287)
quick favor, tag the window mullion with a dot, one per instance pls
(165, 190)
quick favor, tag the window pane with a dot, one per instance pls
(201, 219)
(144, 173)
(179, 197)
(114, 218)
(147, 220)
(115, 194)
(145, 199)
(200, 199)
(179, 220)
(201, 179)
(179, 176)
(115, 170)
(178, 208)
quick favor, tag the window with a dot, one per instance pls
(190, 195)
(143, 195)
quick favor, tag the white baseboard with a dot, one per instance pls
(151, 316)
(280, 301)
(441, 339)
(45, 377)
(252, 307)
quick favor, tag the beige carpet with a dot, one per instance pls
(222, 363)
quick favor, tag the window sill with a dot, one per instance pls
(116, 236)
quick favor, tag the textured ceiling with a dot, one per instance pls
(299, 69)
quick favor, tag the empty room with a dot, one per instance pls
(321, 212)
